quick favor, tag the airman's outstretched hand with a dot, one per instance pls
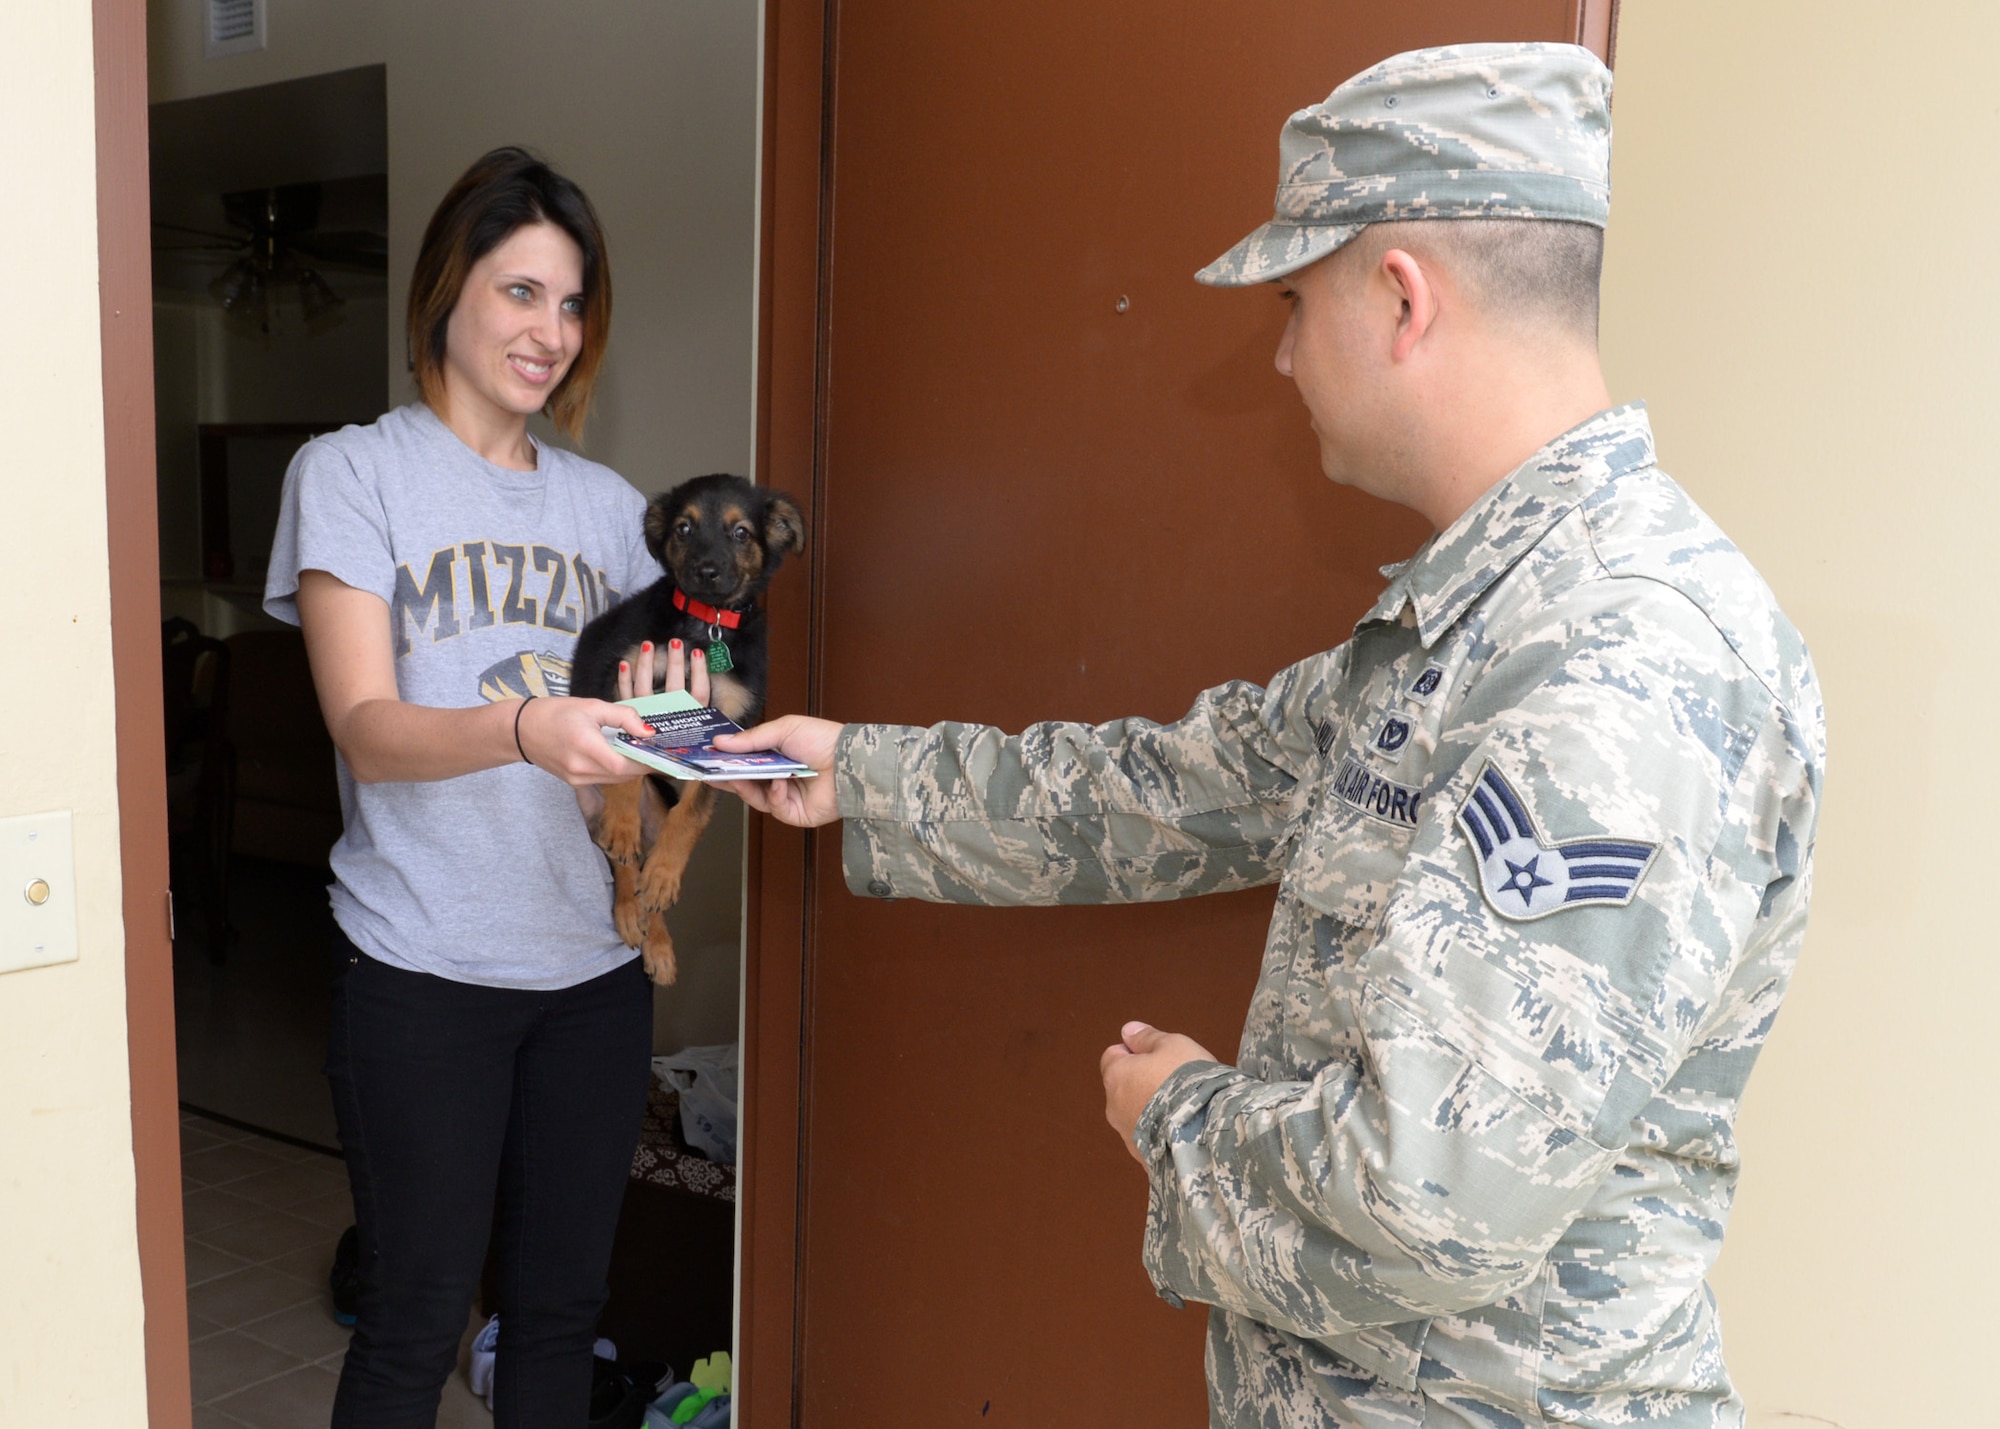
(803, 803)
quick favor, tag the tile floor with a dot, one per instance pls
(262, 1219)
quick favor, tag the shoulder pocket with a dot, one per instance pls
(1527, 1016)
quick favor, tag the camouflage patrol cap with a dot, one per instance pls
(1466, 131)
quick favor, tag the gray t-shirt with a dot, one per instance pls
(488, 574)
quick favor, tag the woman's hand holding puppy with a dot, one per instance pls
(805, 803)
(680, 669)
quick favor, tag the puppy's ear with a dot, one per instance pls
(656, 526)
(784, 528)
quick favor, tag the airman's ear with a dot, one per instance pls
(1408, 281)
(784, 527)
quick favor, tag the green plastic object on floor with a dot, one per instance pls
(710, 1378)
(711, 1374)
(691, 1406)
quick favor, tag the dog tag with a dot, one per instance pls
(719, 662)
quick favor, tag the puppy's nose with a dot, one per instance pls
(708, 570)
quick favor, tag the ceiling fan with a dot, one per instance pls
(276, 248)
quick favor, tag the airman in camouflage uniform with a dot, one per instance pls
(1542, 832)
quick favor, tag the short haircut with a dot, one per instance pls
(1521, 271)
(507, 190)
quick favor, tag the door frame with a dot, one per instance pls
(125, 328)
(794, 205)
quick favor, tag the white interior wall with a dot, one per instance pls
(652, 109)
(304, 37)
(71, 1314)
(1800, 279)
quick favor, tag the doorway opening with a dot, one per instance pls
(297, 160)
(270, 314)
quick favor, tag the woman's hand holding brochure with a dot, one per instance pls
(682, 746)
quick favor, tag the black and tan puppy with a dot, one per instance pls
(719, 539)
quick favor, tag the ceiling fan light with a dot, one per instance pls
(234, 289)
(320, 303)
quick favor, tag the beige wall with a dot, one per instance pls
(71, 1321)
(651, 106)
(1801, 281)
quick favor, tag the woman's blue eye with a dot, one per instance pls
(573, 306)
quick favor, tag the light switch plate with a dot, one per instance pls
(37, 862)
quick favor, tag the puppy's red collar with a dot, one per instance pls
(707, 614)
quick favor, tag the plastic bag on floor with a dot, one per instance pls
(705, 1077)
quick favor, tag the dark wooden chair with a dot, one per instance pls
(201, 775)
(287, 804)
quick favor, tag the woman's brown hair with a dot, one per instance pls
(506, 190)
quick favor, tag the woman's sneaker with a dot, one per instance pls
(480, 1371)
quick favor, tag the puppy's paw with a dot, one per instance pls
(618, 830)
(659, 885)
(628, 914)
(657, 954)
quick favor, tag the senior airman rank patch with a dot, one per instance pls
(1524, 876)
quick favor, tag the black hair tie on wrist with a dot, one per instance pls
(517, 731)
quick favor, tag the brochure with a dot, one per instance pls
(681, 745)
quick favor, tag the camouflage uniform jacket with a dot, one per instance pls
(1542, 831)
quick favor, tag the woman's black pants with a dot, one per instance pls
(463, 1110)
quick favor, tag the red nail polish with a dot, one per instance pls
(677, 644)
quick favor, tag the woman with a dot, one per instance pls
(490, 1036)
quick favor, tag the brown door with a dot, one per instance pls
(1054, 479)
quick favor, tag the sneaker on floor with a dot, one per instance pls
(480, 1371)
(660, 1413)
(617, 1397)
(714, 1414)
(656, 1375)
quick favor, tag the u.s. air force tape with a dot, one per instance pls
(1362, 788)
